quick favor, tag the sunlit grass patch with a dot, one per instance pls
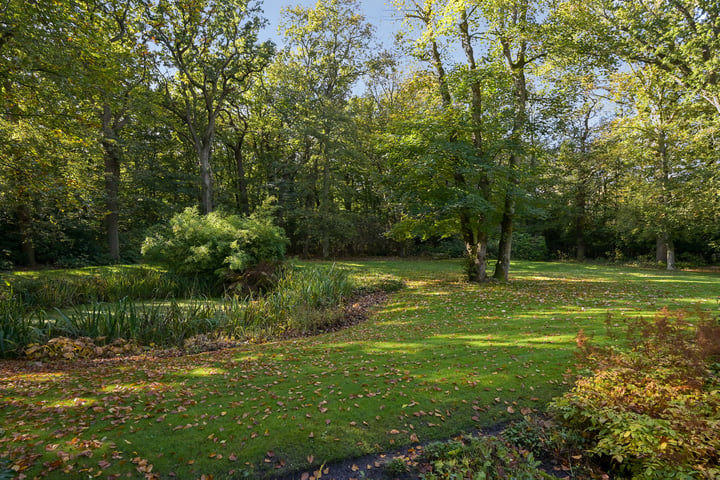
(440, 358)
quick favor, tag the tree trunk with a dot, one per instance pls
(112, 217)
(325, 209)
(580, 223)
(112, 182)
(477, 260)
(206, 193)
(243, 202)
(660, 249)
(502, 267)
(670, 251)
(25, 224)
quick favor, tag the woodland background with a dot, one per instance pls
(585, 131)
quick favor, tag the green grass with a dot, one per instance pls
(440, 358)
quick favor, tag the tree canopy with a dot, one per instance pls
(489, 130)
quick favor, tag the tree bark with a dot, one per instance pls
(113, 158)
(660, 249)
(241, 197)
(325, 209)
(502, 267)
(670, 251)
(26, 236)
(580, 224)
(204, 151)
(477, 258)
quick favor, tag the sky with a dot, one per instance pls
(377, 12)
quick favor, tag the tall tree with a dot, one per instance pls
(472, 170)
(656, 132)
(208, 50)
(681, 38)
(327, 49)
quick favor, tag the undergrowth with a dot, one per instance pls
(651, 410)
(305, 300)
(479, 458)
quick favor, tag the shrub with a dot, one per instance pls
(529, 247)
(211, 244)
(653, 409)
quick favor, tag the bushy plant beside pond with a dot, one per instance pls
(214, 243)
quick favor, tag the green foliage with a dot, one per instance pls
(60, 289)
(480, 458)
(653, 409)
(529, 247)
(167, 325)
(211, 244)
(543, 436)
(305, 300)
(19, 325)
(395, 468)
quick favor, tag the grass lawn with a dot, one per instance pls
(440, 358)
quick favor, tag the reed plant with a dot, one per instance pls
(166, 325)
(306, 300)
(108, 284)
(19, 325)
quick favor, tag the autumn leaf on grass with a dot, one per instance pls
(414, 438)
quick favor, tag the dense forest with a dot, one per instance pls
(499, 129)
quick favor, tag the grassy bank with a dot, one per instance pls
(441, 357)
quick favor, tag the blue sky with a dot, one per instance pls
(377, 12)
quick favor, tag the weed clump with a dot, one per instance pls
(479, 457)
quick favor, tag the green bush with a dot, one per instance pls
(213, 243)
(651, 410)
(529, 247)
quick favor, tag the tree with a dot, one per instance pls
(326, 54)
(680, 38)
(208, 51)
(656, 134)
(463, 164)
